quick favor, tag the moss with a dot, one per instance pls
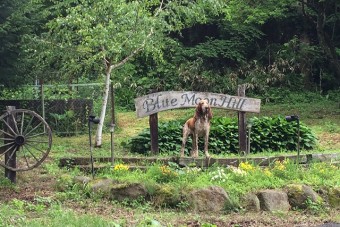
(295, 194)
(299, 194)
(166, 195)
(334, 197)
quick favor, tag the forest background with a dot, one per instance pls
(275, 47)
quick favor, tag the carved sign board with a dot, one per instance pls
(156, 102)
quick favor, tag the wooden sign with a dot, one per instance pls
(156, 102)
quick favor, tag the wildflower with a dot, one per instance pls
(193, 170)
(167, 171)
(267, 172)
(237, 171)
(278, 165)
(334, 167)
(286, 162)
(246, 166)
(219, 175)
(121, 167)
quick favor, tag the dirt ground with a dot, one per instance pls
(37, 183)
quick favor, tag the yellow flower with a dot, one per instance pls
(119, 167)
(267, 172)
(246, 166)
(167, 171)
(286, 162)
(278, 165)
(333, 166)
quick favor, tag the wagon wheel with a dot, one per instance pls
(26, 136)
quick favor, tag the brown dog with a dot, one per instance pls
(199, 125)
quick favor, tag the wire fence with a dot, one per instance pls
(65, 107)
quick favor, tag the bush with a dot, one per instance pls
(267, 134)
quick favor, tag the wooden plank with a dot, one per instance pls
(260, 161)
(242, 131)
(153, 122)
(201, 161)
(160, 101)
(69, 162)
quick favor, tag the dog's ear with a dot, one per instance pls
(210, 114)
(199, 111)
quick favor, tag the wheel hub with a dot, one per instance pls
(19, 140)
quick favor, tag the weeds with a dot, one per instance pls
(171, 181)
(316, 208)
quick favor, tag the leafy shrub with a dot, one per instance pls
(267, 133)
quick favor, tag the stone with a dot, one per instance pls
(102, 186)
(251, 202)
(298, 194)
(334, 197)
(166, 196)
(83, 180)
(128, 191)
(211, 199)
(273, 200)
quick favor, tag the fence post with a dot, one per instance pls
(153, 122)
(42, 98)
(242, 132)
(10, 158)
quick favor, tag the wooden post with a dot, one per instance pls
(113, 122)
(153, 122)
(42, 98)
(242, 131)
(10, 157)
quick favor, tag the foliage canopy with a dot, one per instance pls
(178, 45)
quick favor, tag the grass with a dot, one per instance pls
(22, 213)
(323, 118)
(73, 206)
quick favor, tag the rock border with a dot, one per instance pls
(213, 198)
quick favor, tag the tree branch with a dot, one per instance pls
(136, 51)
(133, 53)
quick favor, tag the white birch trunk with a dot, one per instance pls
(98, 141)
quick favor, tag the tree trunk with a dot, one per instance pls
(98, 141)
(109, 68)
(326, 43)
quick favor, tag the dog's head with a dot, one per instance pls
(203, 109)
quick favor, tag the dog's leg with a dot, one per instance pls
(194, 152)
(184, 139)
(206, 142)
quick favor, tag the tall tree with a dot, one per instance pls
(325, 18)
(102, 35)
(21, 23)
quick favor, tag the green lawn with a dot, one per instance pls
(322, 118)
(46, 196)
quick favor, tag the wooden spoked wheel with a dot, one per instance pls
(25, 140)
